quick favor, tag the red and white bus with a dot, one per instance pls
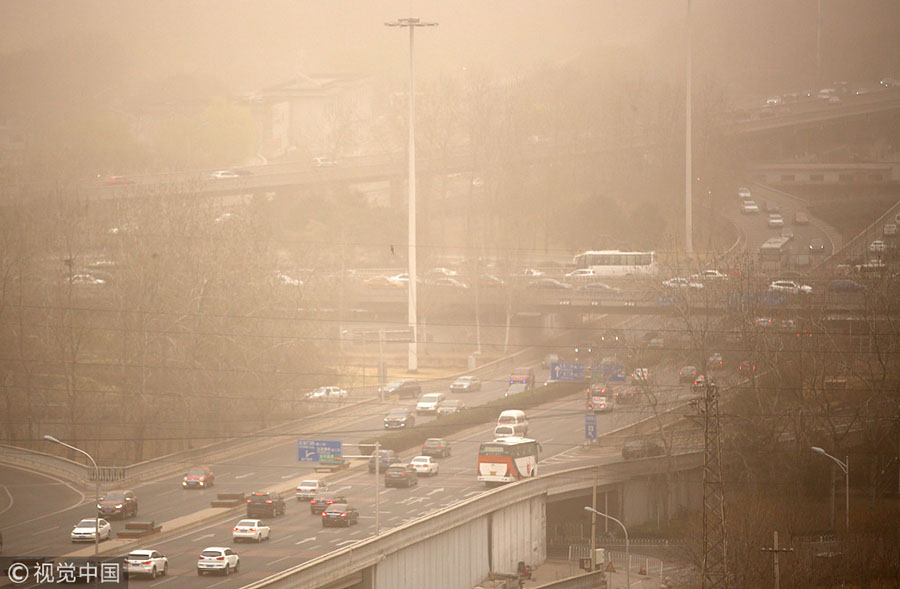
(506, 460)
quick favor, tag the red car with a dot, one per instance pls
(198, 477)
(118, 180)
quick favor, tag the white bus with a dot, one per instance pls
(618, 263)
(506, 460)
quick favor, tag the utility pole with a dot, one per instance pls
(688, 147)
(412, 24)
(775, 550)
(714, 571)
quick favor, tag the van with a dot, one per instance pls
(504, 431)
(428, 403)
(515, 419)
(523, 375)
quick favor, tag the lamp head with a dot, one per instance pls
(50, 438)
(817, 450)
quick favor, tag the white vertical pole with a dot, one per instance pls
(688, 173)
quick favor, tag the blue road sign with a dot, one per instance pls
(608, 372)
(590, 426)
(573, 371)
(319, 450)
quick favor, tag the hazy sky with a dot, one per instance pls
(250, 43)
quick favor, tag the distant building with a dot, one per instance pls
(315, 114)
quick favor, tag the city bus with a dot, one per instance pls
(618, 263)
(775, 253)
(506, 460)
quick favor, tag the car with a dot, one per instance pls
(385, 459)
(448, 281)
(715, 361)
(465, 384)
(763, 322)
(599, 288)
(775, 220)
(746, 366)
(816, 246)
(441, 272)
(117, 180)
(400, 475)
(531, 273)
(801, 218)
(250, 529)
(641, 376)
(381, 281)
(656, 343)
(581, 274)
(490, 280)
(224, 174)
(700, 383)
(744, 192)
(425, 465)
(890, 230)
(324, 393)
(399, 418)
(323, 162)
(450, 406)
(146, 561)
(515, 388)
(198, 477)
(436, 447)
(710, 275)
(217, 559)
(772, 206)
(428, 403)
(748, 207)
(118, 503)
(548, 284)
(790, 286)
(598, 400)
(612, 338)
(262, 503)
(86, 280)
(309, 488)
(834, 100)
(340, 514)
(787, 233)
(773, 100)
(687, 374)
(624, 394)
(549, 359)
(682, 283)
(843, 285)
(285, 280)
(320, 502)
(584, 351)
(877, 246)
(641, 449)
(402, 388)
(86, 530)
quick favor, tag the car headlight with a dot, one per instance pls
(99, 506)
(119, 506)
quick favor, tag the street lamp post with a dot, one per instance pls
(627, 548)
(96, 489)
(411, 24)
(688, 146)
(845, 466)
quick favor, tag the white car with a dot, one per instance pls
(146, 562)
(581, 274)
(877, 246)
(327, 393)
(250, 529)
(681, 283)
(773, 101)
(532, 273)
(224, 174)
(465, 384)
(428, 403)
(775, 220)
(308, 489)
(890, 229)
(600, 404)
(85, 530)
(743, 192)
(324, 162)
(710, 275)
(87, 279)
(749, 207)
(424, 465)
(439, 272)
(790, 286)
(217, 559)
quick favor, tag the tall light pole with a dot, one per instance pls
(627, 549)
(411, 24)
(688, 155)
(96, 489)
(845, 466)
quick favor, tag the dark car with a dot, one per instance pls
(816, 246)
(845, 286)
(436, 447)
(584, 351)
(399, 419)
(262, 504)
(400, 475)
(687, 374)
(339, 514)
(612, 337)
(386, 458)
(402, 388)
(198, 477)
(320, 503)
(641, 449)
(625, 394)
(118, 503)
